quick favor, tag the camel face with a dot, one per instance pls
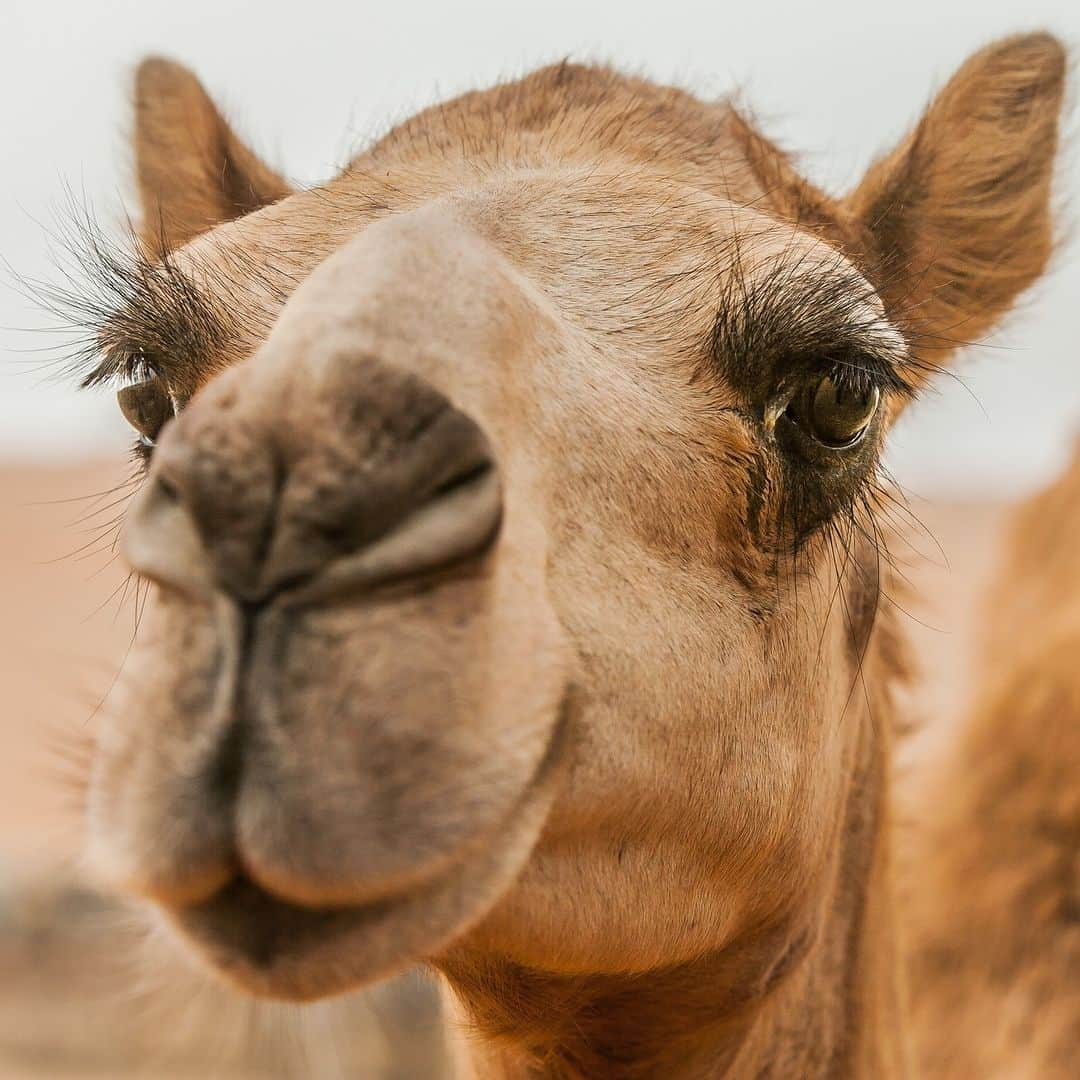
(513, 544)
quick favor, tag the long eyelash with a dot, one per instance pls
(117, 307)
(124, 366)
(858, 374)
(96, 277)
(141, 455)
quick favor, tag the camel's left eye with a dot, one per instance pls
(147, 407)
(835, 415)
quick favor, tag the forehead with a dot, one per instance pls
(577, 114)
(631, 205)
(609, 141)
(618, 252)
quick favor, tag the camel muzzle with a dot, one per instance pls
(316, 745)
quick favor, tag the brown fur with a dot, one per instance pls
(624, 779)
(982, 155)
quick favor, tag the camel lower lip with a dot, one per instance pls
(273, 948)
(251, 935)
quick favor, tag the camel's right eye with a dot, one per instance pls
(833, 414)
(147, 407)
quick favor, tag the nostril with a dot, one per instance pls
(428, 526)
(162, 541)
(339, 535)
(237, 511)
(167, 489)
(466, 476)
(456, 522)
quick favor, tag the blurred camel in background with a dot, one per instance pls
(993, 870)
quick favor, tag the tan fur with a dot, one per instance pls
(624, 780)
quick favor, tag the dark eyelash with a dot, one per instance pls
(789, 322)
(853, 371)
(98, 278)
(127, 366)
(141, 454)
(120, 308)
(860, 372)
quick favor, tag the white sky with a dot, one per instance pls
(837, 81)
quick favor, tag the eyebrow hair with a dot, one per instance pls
(164, 320)
(790, 316)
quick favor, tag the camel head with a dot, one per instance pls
(513, 513)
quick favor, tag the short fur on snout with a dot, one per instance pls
(623, 774)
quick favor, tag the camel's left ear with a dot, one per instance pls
(193, 171)
(959, 214)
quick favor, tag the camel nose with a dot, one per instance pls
(313, 491)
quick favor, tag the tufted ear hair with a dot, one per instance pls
(192, 171)
(958, 216)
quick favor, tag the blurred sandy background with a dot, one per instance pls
(80, 995)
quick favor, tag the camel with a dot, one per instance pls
(995, 921)
(521, 600)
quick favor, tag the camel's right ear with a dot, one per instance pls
(960, 211)
(192, 171)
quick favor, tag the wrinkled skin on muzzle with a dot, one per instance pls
(342, 588)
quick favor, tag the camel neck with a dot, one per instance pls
(813, 996)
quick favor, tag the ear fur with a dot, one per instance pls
(192, 171)
(959, 214)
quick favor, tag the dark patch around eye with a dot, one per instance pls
(757, 488)
(776, 334)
